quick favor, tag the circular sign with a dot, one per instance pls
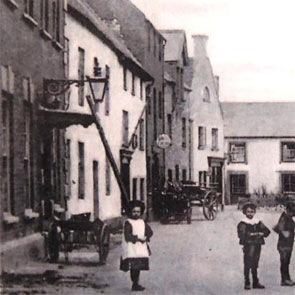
(163, 141)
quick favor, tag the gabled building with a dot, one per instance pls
(207, 119)
(94, 46)
(260, 147)
(147, 45)
(178, 158)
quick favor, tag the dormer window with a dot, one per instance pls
(206, 94)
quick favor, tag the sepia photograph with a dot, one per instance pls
(147, 147)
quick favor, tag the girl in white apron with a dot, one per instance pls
(137, 234)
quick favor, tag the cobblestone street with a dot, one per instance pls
(201, 258)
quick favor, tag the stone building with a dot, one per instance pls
(32, 45)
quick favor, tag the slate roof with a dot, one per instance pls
(82, 8)
(270, 119)
(175, 40)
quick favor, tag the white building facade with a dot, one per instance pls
(207, 120)
(92, 186)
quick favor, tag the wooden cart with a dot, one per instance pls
(75, 233)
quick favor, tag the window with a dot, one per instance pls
(206, 94)
(125, 128)
(176, 172)
(142, 184)
(169, 125)
(237, 152)
(288, 151)
(160, 48)
(133, 84)
(170, 176)
(95, 188)
(288, 183)
(202, 178)
(125, 78)
(183, 174)
(81, 171)
(44, 9)
(108, 177)
(155, 113)
(67, 57)
(81, 70)
(56, 19)
(238, 184)
(107, 94)
(214, 139)
(7, 79)
(141, 88)
(155, 43)
(134, 189)
(27, 156)
(29, 7)
(141, 135)
(202, 137)
(28, 89)
(160, 110)
(8, 204)
(68, 168)
(181, 85)
(183, 132)
(148, 99)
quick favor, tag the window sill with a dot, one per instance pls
(45, 34)
(58, 208)
(12, 3)
(215, 149)
(9, 219)
(30, 215)
(288, 161)
(30, 19)
(57, 45)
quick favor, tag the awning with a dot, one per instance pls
(215, 161)
(63, 119)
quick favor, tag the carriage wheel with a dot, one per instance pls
(210, 205)
(53, 244)
(104, 244)
(189, 215)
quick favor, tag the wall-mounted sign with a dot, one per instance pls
(163, 141)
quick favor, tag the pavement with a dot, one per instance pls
(201, 258)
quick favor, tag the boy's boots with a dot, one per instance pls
(256, 284)
(247, 278)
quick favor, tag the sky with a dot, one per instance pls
(251, 43)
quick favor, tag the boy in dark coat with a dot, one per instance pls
(251, 233)
(285, 228)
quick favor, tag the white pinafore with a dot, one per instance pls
(138, 249)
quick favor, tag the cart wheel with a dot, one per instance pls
(104, 244)
(189, 215)
(210, 205)
(53, 244)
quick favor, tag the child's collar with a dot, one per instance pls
(250, 221)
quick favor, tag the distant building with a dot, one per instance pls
(260, 147)
(147, 45)
(206, 118)
(178, 162)
(92, 45)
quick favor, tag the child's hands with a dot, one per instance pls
(142, 240)
(286, 234)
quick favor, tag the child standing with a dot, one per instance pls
(251, 232)
(137, 234)
(285, 228)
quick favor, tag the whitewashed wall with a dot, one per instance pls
(110, 205)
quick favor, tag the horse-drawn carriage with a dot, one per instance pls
(177, 200)
(75, 233)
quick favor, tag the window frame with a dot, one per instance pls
(202, 137)
(283, 159)
(214, 135)
(287, 174)
(230, 145)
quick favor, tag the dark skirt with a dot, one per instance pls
(134, 263)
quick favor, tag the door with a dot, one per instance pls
(217, 178)
(237, 187)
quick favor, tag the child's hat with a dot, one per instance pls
(248, 205)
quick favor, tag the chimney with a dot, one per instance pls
(200, 42)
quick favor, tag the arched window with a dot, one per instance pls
(206, 94)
